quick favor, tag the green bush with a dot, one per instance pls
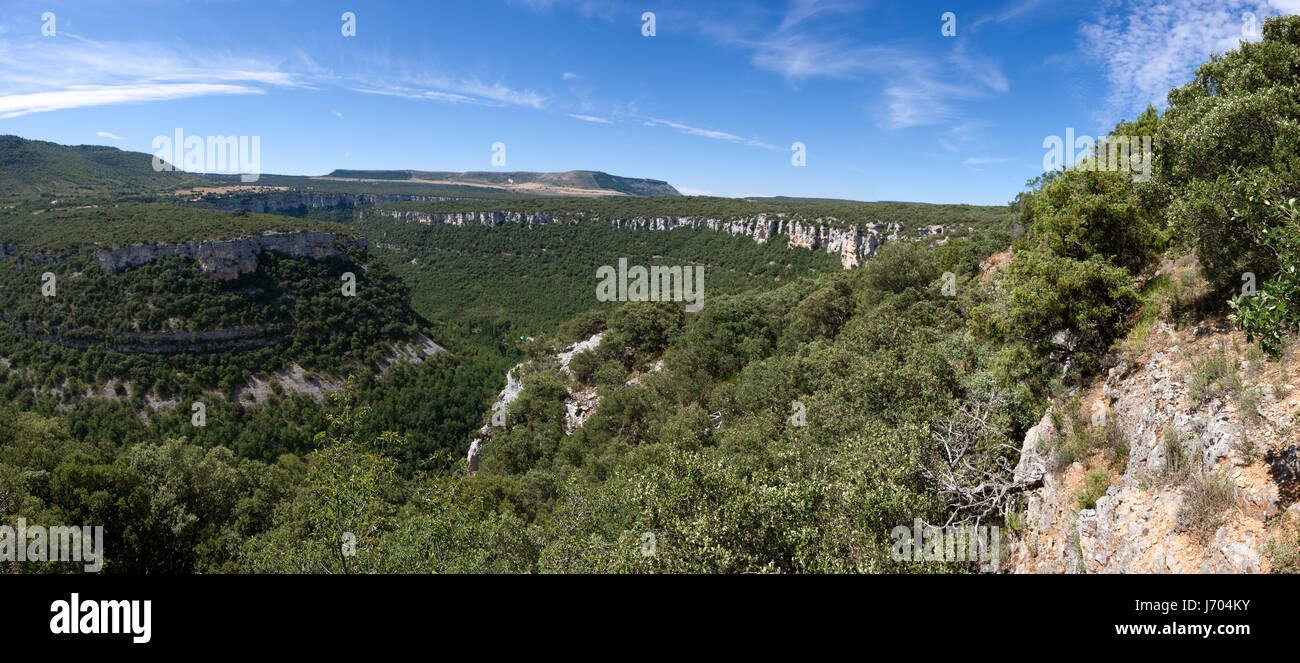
(1097, 484)
(1054, 310)
(1274, 310)
(1242, 110)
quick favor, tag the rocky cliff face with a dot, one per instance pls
(1180, 429)
(227, 259)
(852, 243)
(579, 403)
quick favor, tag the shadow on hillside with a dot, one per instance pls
(1284, 466)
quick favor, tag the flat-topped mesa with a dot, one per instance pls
(228, 259)
(851, 242)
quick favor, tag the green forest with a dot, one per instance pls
(786, 427)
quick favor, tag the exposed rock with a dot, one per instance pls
(227, 259)
(579, 404)
(1134, 526)
(851, 242)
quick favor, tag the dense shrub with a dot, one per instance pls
(1242, 110)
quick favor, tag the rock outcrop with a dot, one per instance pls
(227, 259)
(1172, 436)
(578, 403)
(853, 243)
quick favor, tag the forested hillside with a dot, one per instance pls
(790, 424)
(44, 170)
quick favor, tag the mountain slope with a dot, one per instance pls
(35, 168)
(32, 168)
(573, 182)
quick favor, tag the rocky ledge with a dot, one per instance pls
(1175, 431)
(853, 243)
(227, 259)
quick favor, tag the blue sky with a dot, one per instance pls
(887, 106)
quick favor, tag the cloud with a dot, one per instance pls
(607, 9)
(423, 95)
(105, 134)
(570, 76)
(15, 105)
(688, 191)
(818, 39)
(37, 76)
(1010, 12)
(806, 43)
(981, 161)
(709, 133)
(499, 93)
(591, 118)
(1148, 47)
(447, 89)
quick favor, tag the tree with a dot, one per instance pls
(341, 510)
(1242, 110)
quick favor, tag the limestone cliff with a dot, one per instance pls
(853, 243)
(1186, 412)
(227, 259)
(579, 401)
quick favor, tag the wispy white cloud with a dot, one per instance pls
(608, 9)
(1149, 46)
(78, 96)
(812, 39)
(570, 76)
(39, 76)
(400, 80)
(591, 118)
(105, 134)
(688, 191)
(422, 95)
(1017, 9)
(806, 43)
(709, 133)
(982, 161)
